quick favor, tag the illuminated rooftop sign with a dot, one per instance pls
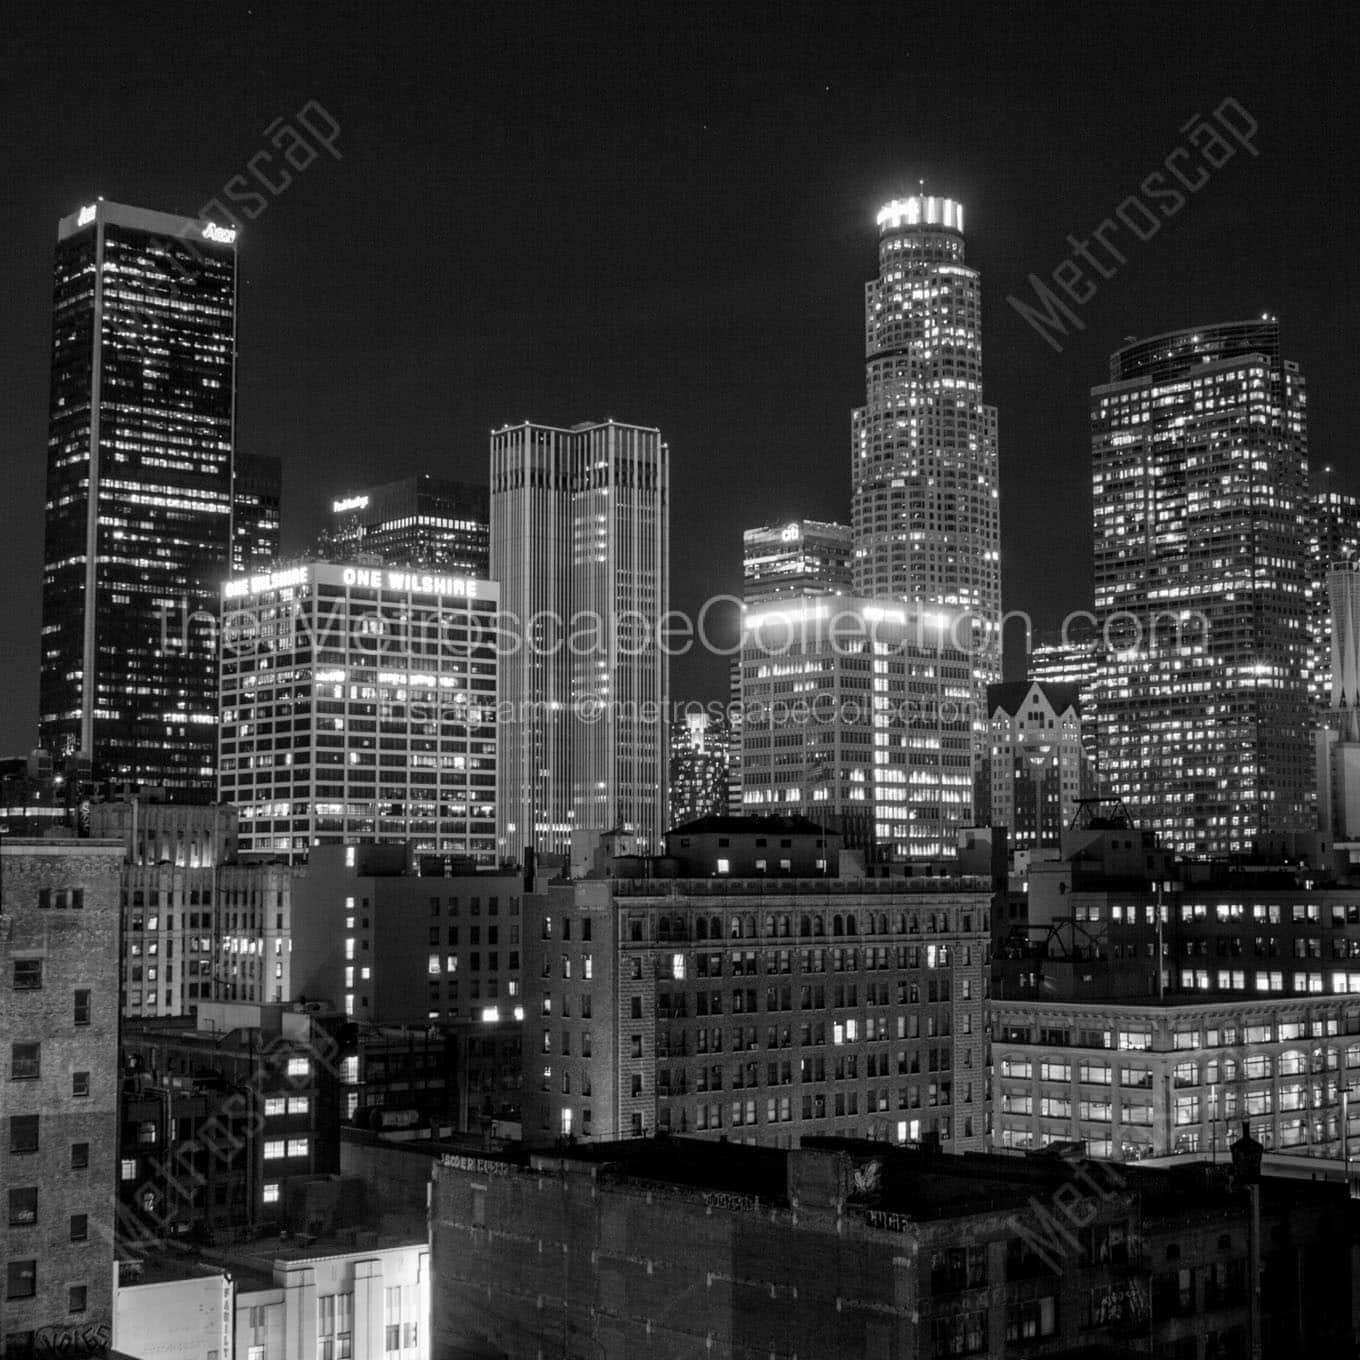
(267, 580)
(917, 211)
(348, 503)
(86, 216)
(222, 235)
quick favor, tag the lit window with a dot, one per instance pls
(271, 1193)
(127, 1169)
(273, 1149)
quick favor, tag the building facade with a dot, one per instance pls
(1200, 481)
(58, 1093)
(861, 714)
(218, 1113)
(844, 1250)
(420, 521)
(803, 557)
(359, 704)
(580, 546)
(1057, 661)
(924, 478)
(1035, 770)
(390, 946)
(700, 766)
(257, 499)
(740, 999)
(1333, 540)
(139, 493)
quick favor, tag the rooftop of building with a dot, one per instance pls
(250, 1263)
(1011, 695)
(724, 824)
(924, 1184)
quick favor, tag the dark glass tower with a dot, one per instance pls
(420, 521)
(256, 499)
(1200, 498)
(139, 493)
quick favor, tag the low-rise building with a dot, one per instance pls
(219, 1113)
(842, 1250)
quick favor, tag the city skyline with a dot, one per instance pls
(846, 129)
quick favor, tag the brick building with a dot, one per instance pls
(852, 1251)
(58, 1093)
(736, 989)
(219, 1113)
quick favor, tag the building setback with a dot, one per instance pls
(842, 1250)
(58, 1094)
(359, 704)
(1200, 482)
(139, 493)
(580, 544)
(741, 990)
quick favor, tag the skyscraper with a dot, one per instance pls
(359, 704)
(1200, 481)
(924, 449)
(139, 492)
(700, 766)
(857, 714)
(420, 521)
(580, 548)
(256, 497)
(806, 556)
(1333, 539)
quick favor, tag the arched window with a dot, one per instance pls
(805, 925)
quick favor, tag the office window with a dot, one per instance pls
(273, 1149)
(21, 1279)
(297, 1147)
(25, 1062)
(271, 1192)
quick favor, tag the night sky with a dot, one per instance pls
(666, 215)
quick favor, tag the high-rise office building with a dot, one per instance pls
(420, 521)
(580, 549)
(1200, 482)
(1333, 540)
(858, 714)
(359, 704)
(803, 557)
(257, 494)
(700, 765)
(139, 492)
(1072, 662)
(924, 449)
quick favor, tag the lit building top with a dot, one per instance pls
(921, 211)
